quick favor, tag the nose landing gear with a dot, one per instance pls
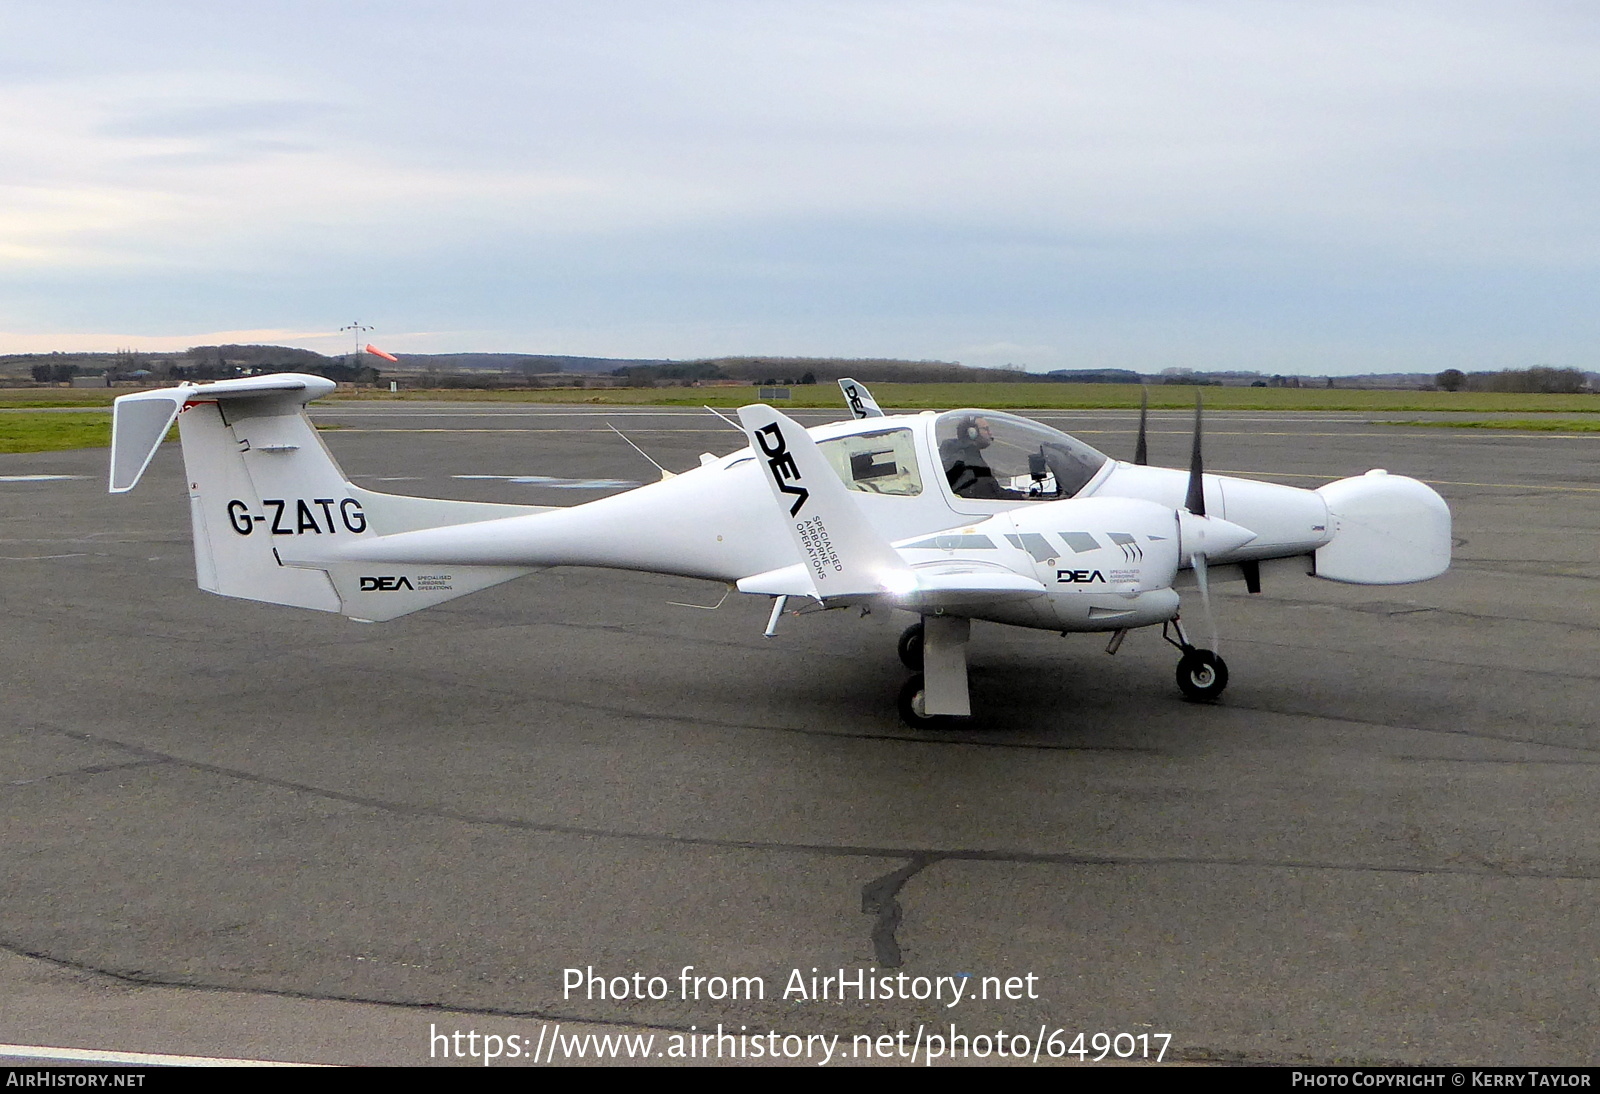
(1202, 674)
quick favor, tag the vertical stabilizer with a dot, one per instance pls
(236, 555)
(862, 404)
(268, 504)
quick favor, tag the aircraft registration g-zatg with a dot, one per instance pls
(957, 516)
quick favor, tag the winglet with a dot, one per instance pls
(843, 555)
(862, 404)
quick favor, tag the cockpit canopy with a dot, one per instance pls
(983, 455)
(999, 457)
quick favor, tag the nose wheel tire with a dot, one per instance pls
(1202, 675)
(914, 713)
(911, 647)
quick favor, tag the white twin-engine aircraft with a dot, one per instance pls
(957, 516)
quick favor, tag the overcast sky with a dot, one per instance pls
(1290, 187)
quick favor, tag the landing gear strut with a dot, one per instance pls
(1202, 675)
(936, 650)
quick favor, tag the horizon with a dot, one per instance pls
(793, 361)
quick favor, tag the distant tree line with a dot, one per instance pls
(1095, 376)
(53, 374)
(1539, 380)
(195, 363)
(222, 362)
(795, 370)
(495, 370)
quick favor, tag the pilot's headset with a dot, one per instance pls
(968, 430)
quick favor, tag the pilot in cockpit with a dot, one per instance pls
(1000, 457)
(964, 463)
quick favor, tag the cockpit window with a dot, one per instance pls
(999, 457)
(884, 462)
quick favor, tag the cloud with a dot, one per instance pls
(50, 341)
(1132, 184)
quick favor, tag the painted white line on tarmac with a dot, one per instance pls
(1430, 482)
(135, 1059)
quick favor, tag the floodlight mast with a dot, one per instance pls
(358, 328)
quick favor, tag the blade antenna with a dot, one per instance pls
(665, 474)
(724, 417)
(1141, 451)
(726, 592)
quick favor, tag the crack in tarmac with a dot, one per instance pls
(92, 769)
(880, 898)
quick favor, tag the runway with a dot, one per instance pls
(238, 830)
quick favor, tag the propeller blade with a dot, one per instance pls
(1141, 451)
(1196, 501)
(1198, 562)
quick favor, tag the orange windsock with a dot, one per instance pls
(376, 352)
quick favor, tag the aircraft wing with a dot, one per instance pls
(955, 585)
(945, 585)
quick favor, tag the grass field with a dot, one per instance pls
(50, 428)
(941, 397)
(33, 398)
(1541, 425)
(1038, 397)
(21, 431)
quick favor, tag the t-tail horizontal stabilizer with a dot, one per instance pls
(269, 505)
(841, 554)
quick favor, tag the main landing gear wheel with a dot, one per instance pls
(912, 711)
(911, 647)
(1201, 675)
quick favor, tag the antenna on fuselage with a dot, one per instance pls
(665, 474)
(723, 416)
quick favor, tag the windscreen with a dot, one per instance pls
(1000, 457)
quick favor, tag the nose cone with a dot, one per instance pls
(1209, 536)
